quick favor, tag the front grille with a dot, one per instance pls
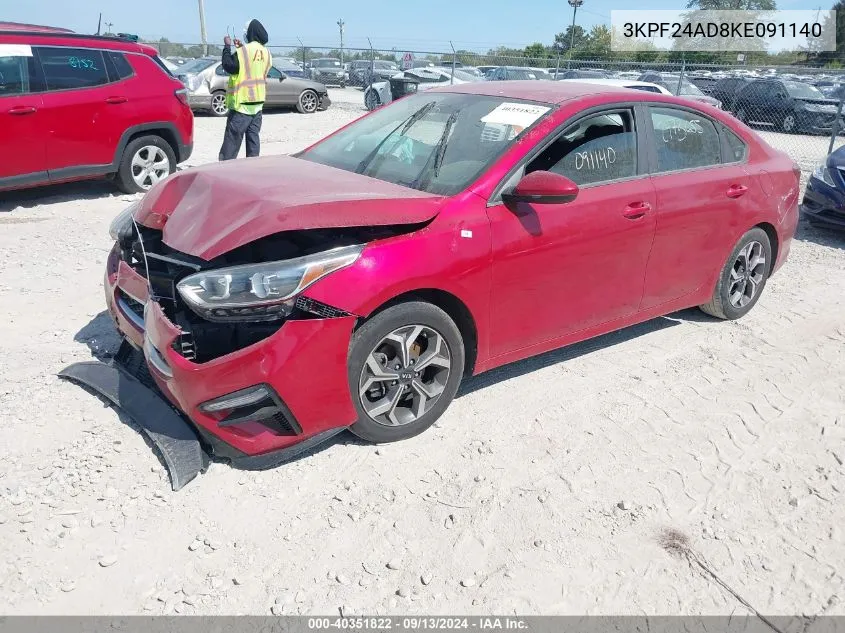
(135, 306)
(306, 304)
(133, 362)
(279, 423)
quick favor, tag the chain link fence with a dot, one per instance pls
(795, 108)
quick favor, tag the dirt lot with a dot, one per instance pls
(548, 487)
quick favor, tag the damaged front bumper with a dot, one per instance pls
(256, 406)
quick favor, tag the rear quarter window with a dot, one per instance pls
(118, 66)
(734, 149)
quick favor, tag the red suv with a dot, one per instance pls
(74, 107)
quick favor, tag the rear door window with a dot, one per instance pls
(72, 68)
(14, 75)
(684, 140)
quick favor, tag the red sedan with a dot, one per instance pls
(280, 300)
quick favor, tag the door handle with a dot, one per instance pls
(636, 210)
(736, 191)
(22, 110)
(114, 100)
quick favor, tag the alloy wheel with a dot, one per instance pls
(308, 100)
(149, 165)
(218, 104)
(404, 375)
(788, 123)
(747, 274)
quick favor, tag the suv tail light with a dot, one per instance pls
(182, 95)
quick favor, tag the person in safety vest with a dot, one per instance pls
(247, 68)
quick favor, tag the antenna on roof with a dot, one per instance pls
(99, 23)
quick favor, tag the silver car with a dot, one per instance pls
(206, 82)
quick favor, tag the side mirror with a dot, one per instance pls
(282, 76)
(541, 187)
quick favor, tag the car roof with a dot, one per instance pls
(622, 83)
(69, 38)
(31, 28)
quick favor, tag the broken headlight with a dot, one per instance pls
(121, 227)
(260, 292)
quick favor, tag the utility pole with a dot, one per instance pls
(574, 4)
(202, 28)
(341, 24)
(108, 26)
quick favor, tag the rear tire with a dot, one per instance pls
(428, 377)
(371, 100)
(218, 104)
(788, 124)
(743, 277)
(146, 161)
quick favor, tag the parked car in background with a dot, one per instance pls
(74, 107)
(824, 195)
(581, 74)
(431, 240)
(705, 83)
(328, 71)
(290, 67)
(624, 83)
(414, 80)
(789, 106)
(486, 69)
(726, 90)
(513, 73)
(365, 72)
(679, 86)
(207, 88)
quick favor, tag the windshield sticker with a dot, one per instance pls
(517, 115)
(15, 50)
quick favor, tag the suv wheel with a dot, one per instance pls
(788, 123)
(218, 104)
(146, 161)
(371, 100)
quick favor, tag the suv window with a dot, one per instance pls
(599, 148)
(14, 75)
(68, 68)
(684, 140)
(118, 66)
(274, 73)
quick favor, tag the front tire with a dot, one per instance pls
(789, 124)
(146, 161)
(308, 102)
(405, 366)
(743, 277)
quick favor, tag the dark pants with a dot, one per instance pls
(238, 125)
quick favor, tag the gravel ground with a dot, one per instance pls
(640, 473)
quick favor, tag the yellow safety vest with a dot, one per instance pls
(247, 89)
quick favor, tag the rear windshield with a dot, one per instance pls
(196, 65)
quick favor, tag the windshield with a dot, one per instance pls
(439, 143)
(798, 90)
(196, 65)
(386, 65)
(327, 62)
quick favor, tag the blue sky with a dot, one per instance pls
(469, 24)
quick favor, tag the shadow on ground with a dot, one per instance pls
(832, 238)
(83, 190)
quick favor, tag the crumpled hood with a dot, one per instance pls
(208, 211)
